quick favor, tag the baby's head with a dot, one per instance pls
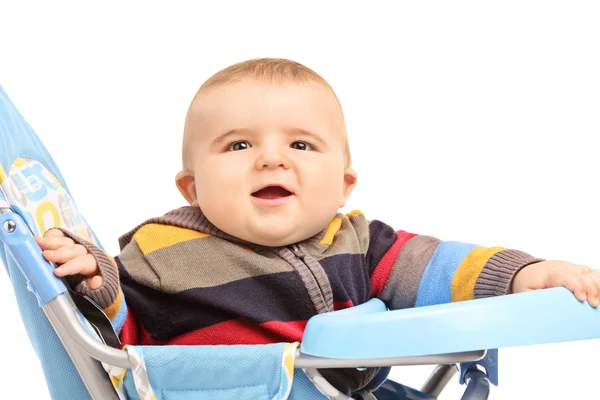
(265, 152)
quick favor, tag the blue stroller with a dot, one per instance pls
(82, 360)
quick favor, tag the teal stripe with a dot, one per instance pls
(437, 278)
(119, 319)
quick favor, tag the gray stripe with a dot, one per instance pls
(401, 289)
(313, 276)
(310, 271)
(209, 262)
(351, 238)
(498, 272)
(138, 267)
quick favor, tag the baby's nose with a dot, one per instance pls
(272, 160)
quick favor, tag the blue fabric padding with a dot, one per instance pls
(17, 139)
(303, 388)
(217, 373)
(62, 379)
(437, 278)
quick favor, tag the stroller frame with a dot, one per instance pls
(87, 353)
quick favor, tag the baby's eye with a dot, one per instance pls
(242, 145)
(301, 146)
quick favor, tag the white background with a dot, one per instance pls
(468, 121)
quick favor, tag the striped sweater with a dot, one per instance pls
(186, 282)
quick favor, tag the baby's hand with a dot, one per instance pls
(73, 258)
(581, 280)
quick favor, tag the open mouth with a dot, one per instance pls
(272, 193)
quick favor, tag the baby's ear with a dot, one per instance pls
(350, 179)
(187, 186)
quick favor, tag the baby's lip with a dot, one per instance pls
(283, 189)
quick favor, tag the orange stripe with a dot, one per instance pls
(465, 277)
(332, 229)
(153, 237)
(112, 310)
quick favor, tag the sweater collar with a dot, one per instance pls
(190, 217)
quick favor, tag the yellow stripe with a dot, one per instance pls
(332, 229)
(289, 353)
(112, 310)
(153, 237)
(353, 212)
(463, 283)
(2, 174)
(118, 380)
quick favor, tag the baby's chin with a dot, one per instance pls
(277, 237)
(272, 239)
(269, 232)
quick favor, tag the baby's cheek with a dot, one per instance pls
(215, 185)
(330, 184)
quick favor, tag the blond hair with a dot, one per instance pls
(271, 70)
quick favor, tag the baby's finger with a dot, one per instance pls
(54, 232)
(84, 265)
(570, 280)
(591, 289)
(595, 277)
(95, 282)
(54, 242)
(65, 254)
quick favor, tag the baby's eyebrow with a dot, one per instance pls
(304, 132)
(223, 137)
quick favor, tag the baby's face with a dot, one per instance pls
(268, 160)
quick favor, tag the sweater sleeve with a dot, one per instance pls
(412, 270)
(109, 296)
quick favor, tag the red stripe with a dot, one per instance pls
(236, 331)
(286, 331)
(129, 333)
(340, 305)
(382, 271)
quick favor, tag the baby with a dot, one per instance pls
(262, 247)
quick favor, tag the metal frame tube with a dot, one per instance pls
(438, 379)
(84, 349)
(93, 375)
